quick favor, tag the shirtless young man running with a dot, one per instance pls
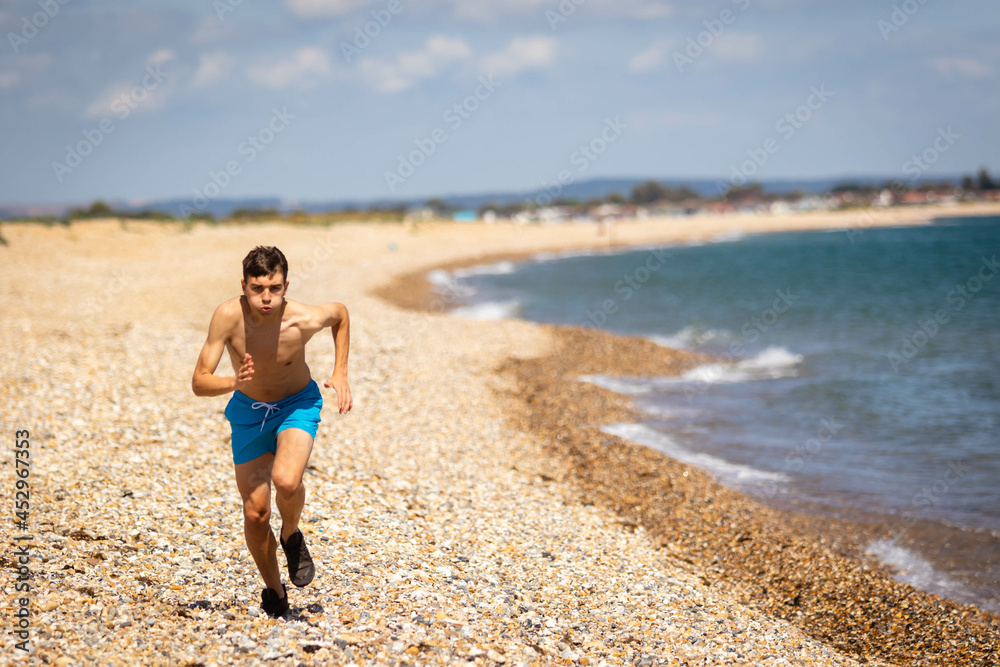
(274, 411)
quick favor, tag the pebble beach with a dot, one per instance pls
(467, 511)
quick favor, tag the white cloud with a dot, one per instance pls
(439, 54)
(731, 46)
(492, 10)
(652, 58)
(9, 78)
(210, 29)
(160, 57)
(148, 92)
(212, 68)
(26, 67)
(738, 46)
(304, 69)
(133, 96)
(521, 54)
(326, 8)
(951, 66)
(489, 11)
(636, 9)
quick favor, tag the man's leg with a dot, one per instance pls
(294, 448)
(253, 479)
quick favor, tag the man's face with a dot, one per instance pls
(265, 294)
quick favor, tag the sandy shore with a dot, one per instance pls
(449, 521)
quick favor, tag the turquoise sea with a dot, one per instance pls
(858, 373)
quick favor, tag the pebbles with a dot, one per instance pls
(440, 531)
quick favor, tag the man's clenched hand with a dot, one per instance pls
(245, 373)
(340, 385)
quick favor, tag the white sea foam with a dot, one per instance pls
(489, 310)
(444, 282)
(553, 255)
(733, 235)
(673, 412)
(440, 278)
(771, 364)
(627, 386)
(733, 473)
(690, 336)
(497, 269)
(914, 570)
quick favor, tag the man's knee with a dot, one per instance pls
(256, 513)
(286, 483)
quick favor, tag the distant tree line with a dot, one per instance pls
(101, 209)
(643, 194)
(981, 183)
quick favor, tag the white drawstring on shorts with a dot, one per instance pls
(270, 408)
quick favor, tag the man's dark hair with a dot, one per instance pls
(263, 261)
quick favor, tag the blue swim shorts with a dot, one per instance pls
(256, 424)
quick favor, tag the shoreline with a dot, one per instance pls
(411, 290)
(443, 533)
(811, 571)
(811, 575)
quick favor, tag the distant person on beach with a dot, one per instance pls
(274, 411)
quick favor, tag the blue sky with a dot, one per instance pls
(157, 99)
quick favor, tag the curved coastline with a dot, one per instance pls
(450, 522)
(812, 570)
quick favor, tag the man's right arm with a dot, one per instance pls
(204, 382)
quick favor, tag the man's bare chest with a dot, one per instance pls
(270, 347)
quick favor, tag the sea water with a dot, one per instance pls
(856, 371)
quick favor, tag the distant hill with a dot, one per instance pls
(583, 190)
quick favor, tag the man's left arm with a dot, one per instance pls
(337, 318)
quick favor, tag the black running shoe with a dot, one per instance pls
(272, 604)
(300, 564)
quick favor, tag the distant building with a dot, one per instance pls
(419, 213)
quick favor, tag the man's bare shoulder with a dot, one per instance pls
(298, 311)
(229, 312)
(309, 315)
